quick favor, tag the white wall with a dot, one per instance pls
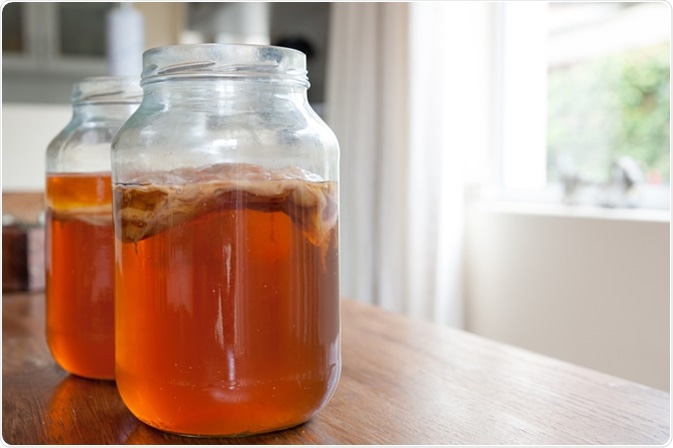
(590, 287)
(27, 130)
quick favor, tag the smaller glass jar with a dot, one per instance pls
(79, 249)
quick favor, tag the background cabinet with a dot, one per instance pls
(47, 46)
(54, 38)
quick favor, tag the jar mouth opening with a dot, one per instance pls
(107, 89)
(233, 61)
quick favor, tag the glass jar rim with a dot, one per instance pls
(224, 60)
(107, 89)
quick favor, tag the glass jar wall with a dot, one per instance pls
(225, 192)
(79, 235)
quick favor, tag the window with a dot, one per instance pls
(586, 100)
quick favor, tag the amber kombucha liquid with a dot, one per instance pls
(227, 306)
(80, 273)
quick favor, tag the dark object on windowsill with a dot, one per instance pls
(619, 191)
(626, 175)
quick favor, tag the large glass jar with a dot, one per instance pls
(79, 245)
(227, 271)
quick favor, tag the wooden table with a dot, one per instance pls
(403, 382)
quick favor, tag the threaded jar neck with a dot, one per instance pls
(107, 90)
(233, 61)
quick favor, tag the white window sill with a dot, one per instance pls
(549, 202)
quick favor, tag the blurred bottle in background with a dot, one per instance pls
(125, 40)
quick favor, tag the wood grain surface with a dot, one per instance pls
(403, 382)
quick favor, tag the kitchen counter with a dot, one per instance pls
(403, 381)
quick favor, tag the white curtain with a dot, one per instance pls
(403, 105)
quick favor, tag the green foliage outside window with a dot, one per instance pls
(617, 105)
